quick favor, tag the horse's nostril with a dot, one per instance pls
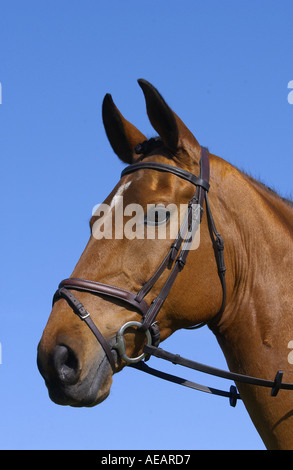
(66, 364)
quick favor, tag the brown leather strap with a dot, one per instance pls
(107, 290)
(82, 313)
(187, 229)
(218, 245)
(186, 175)
(276, 385)
(204, 174)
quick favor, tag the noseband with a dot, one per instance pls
(175, 259)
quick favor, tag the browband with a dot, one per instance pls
(186, 175)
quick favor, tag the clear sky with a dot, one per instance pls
(224, 67)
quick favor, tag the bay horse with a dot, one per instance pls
(246, 301)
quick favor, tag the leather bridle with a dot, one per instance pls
(175, 259)
(176, 256)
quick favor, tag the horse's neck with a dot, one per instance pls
(257, 226)
(257, 325)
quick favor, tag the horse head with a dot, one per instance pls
(119, 275)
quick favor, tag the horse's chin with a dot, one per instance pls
(88, 392)
(89, 403)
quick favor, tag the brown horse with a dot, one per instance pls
(254, 328)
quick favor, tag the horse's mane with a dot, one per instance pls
(288, 201)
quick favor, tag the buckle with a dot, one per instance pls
(220, 242)
(181, 262)
(83, 317)
(174, 251)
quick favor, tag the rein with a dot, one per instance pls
(175, 258)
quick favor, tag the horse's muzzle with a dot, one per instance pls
(62, 372)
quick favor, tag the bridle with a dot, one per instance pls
(175, 259)
(176, 256)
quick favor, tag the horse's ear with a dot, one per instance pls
(122, 135)
(169, 126)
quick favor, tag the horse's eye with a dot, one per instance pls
(157, 215)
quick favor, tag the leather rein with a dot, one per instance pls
(175, 259)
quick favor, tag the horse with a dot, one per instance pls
(122, 287)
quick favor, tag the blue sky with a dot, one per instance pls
(224, 67)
